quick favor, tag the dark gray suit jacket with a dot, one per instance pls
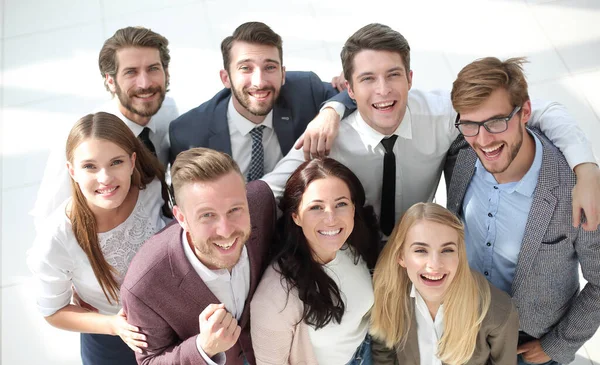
(545, 288)
(163, 295)
(206, 125)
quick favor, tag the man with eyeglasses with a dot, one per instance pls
(512, 188)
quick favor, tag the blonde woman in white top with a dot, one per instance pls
(119, 200)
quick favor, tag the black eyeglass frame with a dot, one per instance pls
(484, 124)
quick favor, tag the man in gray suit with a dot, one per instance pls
(513, 188)
(262, 110)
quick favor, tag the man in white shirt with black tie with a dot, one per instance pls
(376, 64)
(134, 65)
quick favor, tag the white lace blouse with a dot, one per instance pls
(57, 260)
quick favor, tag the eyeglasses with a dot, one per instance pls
(492, 125)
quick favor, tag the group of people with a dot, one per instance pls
(261, 250)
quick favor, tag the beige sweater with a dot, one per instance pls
(278, 335)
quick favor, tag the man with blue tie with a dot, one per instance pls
(262, 110)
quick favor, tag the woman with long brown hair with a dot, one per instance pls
(312, 304)
(119, 200)
(429, 306)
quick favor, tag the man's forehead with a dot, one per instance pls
(370, 60)
(137, 56)
(245, 51)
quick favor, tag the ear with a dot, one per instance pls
(410, 78)
(401, 262)
(178, 214)
(224, 75)
(349, 88)
(526, 112)
(296, 219)
(133, 157)
(71, 170)
(110, 81)
(283, 75)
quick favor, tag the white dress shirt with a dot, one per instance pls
(424, 137)
(337, 342)
(241, 140)
(429, 331)
(230, 288)
(55, 187)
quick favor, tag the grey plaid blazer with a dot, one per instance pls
(545, 288)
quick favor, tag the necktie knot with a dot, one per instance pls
(388, 143)
(257, 132)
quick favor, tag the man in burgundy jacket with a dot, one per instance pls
(189, 287)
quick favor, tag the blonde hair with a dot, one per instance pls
(200, 164)
(108, 127)
(466, 301)
(476, 82)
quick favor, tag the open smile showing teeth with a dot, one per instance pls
(260, 94)
(225, 246)
(107, 190)
(493, 151)
(330, 233)
(144, 96)
(386, 105)
(433, 277)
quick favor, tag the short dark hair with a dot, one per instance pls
(251, 32)
(132, 37)
(321, 296)
(376, 37)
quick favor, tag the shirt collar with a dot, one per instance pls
(135, 128)
(244, 126)
(371, 137)
(526, 186)
(420, 303)
(204, 272)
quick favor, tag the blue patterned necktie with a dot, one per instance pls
(256, 170)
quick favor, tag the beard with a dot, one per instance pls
(209, 255)
(146, 109)
(258, 109)
(512, 150)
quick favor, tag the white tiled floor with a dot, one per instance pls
(50, 78)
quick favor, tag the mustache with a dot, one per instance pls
(253, 90)
(235, 234)
(149, 90)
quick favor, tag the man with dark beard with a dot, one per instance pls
(134, 64)
(513, 190)
(269, 110)
(189, 287)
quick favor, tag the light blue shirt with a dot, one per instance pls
(495, 216)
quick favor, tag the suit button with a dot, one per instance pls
(486, 273)
(490, 215)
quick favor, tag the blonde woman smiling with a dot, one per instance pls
(429, 306)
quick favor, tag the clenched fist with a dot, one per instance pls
(219, 330)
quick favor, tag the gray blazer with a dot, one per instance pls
(496, 341)
(545, 288)
(206, 125)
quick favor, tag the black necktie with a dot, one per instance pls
(257, 157)
(145, 138)
(388, 187)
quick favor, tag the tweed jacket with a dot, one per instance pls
(163, 295)
(496, 341)
(206, 125)
(545, 287)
